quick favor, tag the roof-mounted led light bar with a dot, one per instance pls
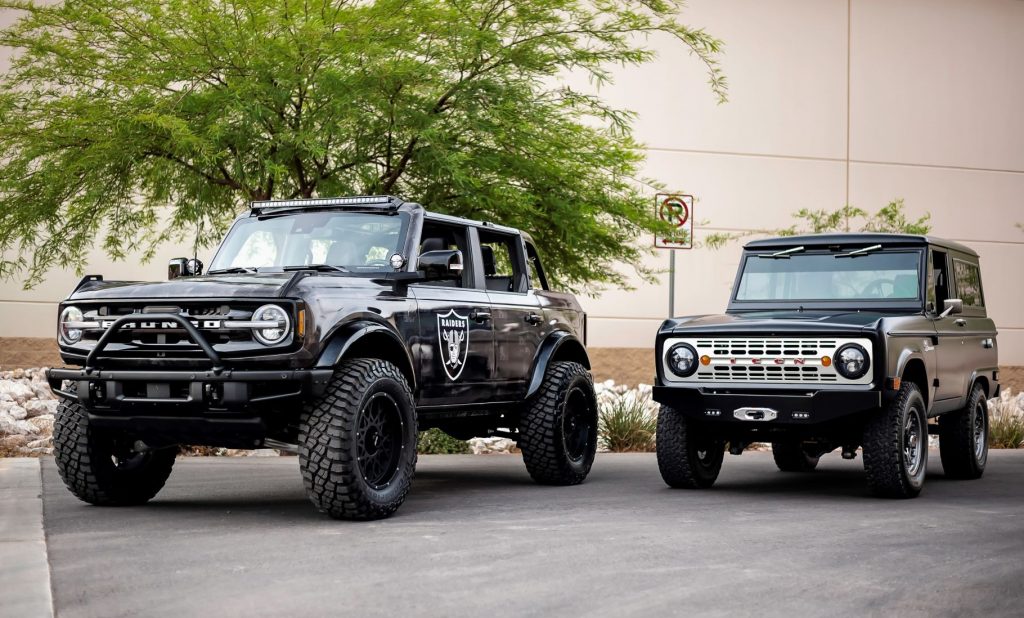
(359, 200)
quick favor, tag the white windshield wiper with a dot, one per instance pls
(857, 252)
(319, 267)
(233, 269)
(781, 255)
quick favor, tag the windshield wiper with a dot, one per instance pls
(781, 255)
(318, 267)
(857, 252)
(233, 269)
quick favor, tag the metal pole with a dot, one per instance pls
(671, 283)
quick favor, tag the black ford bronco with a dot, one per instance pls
(834, 341)
(334, 327)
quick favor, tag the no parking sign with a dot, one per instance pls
(676, 210)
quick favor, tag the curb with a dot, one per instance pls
(24, 568)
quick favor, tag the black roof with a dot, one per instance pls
(858, 239)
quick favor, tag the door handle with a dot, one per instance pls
(960, 322)
(533, 318)
(480, 316)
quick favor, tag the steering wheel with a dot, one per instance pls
(875, 289)
(378, 263)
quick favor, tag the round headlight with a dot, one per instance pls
(851, 361)
(67, 334)
(271, 335)
(682, 360)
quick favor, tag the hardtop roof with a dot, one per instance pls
(849, 240)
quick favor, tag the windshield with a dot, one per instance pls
(826, 277)
(353, 241)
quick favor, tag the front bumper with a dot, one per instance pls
(766, 409)
(209, 390)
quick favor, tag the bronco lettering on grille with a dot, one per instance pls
(206, 324)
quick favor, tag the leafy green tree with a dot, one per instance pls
(889, 218)
(132, 122)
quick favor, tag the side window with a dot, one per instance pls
(938, 281)
(440, 237)
(502, 262)
(968, 283)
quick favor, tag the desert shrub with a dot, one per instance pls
(436, 442)
(627, 421)
(1006, 421)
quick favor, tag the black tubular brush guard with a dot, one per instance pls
(214, 388)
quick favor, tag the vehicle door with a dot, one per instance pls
(976, 330)
(950, 346)
(455, 346)
(515, 311)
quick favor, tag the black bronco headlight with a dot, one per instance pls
(682, 359)
(851, 361)
(68, 334)
(271, 324)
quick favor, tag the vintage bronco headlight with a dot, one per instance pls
(67, 334)
(851, 361)
(271, 335)
(682, 360)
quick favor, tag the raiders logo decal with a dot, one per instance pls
(453, 335)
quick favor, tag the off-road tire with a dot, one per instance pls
(336, 481)
(889, 471)
(680, 445)
(85, 459)
(963, 444)
(792, 457)
(558, 427)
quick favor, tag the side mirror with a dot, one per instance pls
(184, 267)
(953, 306)
(440, 265)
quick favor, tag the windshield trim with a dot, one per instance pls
(915, 305)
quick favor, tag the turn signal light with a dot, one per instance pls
(301, 326)
(705, 360)
(826, 361)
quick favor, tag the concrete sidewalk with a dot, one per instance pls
(24, 570)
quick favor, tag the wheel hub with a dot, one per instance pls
(379, 443)
(912, 447)
(576, 424)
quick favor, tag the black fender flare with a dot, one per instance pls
(984, 374)
(346, 336)
(558, 342)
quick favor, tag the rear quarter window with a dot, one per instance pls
(968, 283)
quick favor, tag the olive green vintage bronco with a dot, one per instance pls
(835, 341)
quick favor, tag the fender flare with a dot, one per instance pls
(906, 356)
(978, 375)
(548, 350)
(346, 336)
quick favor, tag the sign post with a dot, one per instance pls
(677, 211)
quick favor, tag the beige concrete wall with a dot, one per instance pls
(836, 101)
(832, 101)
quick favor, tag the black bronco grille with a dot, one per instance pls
(154, 338)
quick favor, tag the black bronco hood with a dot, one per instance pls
(245, 285)
(219, 286)
(779, 321)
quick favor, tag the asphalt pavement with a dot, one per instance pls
(236, 537)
